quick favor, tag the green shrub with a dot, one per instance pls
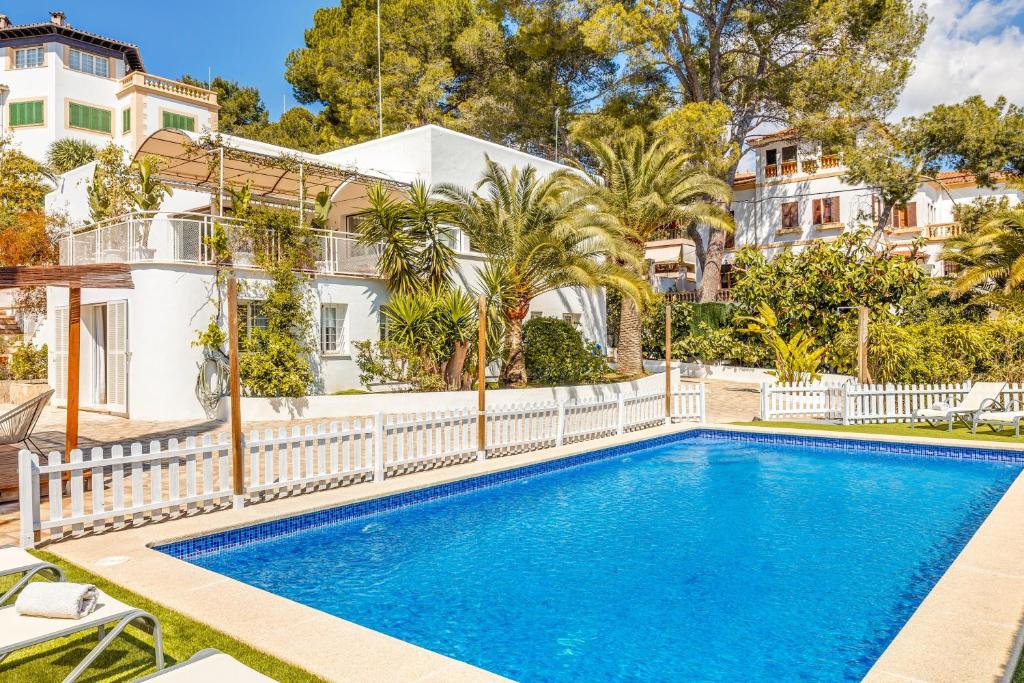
(28, 362)
(556, 353)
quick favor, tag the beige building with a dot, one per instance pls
(58, 81)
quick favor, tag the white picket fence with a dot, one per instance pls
(854, 403)
(111, 489)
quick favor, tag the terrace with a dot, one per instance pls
(185, 238)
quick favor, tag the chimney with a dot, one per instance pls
(5, 21)
(58, 18)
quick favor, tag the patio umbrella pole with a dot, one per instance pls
(481, 381)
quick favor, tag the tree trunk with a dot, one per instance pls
(513, 371)
(711, 276)
(453, 369)
(629, 354)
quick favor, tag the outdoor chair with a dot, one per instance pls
(208, 665)
(16, 561)
(982, 395)
(16, 425)
(1009, 415)
(18, 631)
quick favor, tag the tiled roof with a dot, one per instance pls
(47, 28)
(784, 134)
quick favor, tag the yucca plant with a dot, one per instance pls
(66, 154)
(796, 359)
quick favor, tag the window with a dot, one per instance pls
(825, 210)
(904, 216)
(26, 113)
(250, 316)
(536, 314)
(352, 223)
(771, 157)
(29, 57)
(126, 120)
(789, 153)
(790, 215)
(726, 276)
(179, 121)
(88, 63)
(332, 328)
(89, 118)
(573, 318)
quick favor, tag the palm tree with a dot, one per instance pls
(538, 235)
(991, 258)
(66, 154)
(647, 186)
(416, 241)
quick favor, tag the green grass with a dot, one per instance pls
(898, 429)
(350, 392)
(131, 654)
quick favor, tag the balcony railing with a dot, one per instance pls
(943, 231)
(166, 85)
(829, 161)
(771, 170)
(787, 167)
(185, 238)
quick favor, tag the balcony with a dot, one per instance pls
(943, 231)
(144, 81)
(184, 238)
(787, 167)
(830, 161)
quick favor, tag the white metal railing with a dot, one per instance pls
(185, 238)
(854, 403)
(145, 484)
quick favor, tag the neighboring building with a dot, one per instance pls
(672, 264)
(57, 81)
(796, 197)
(138, 356)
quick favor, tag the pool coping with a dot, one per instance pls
(336, 649)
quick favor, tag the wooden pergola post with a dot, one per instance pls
(74, 368)
(481, 382)
(235, 385)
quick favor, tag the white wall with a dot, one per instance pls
(325, 407)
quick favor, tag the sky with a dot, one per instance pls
(972, 46)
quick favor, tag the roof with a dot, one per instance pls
(274, 171)
(48, 28)
(777, 136)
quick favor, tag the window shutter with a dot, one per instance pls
(126, 120)
(60, 354)
(816, 211)
(117, 354)
(834, 218)
(911, 214)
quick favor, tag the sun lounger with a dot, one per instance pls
(208, 665)
(982, 396)
(1011, 416)
(18, 631)
(16, 561)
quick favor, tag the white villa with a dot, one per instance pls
(138, 357)
(57, 81)
(796, 197)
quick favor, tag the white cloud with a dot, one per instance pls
(971, 48)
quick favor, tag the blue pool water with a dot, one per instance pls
(702, 559)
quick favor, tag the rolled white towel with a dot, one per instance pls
(941, 405)
(56, 600)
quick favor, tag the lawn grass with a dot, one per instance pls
(898, 429)
(131, 654)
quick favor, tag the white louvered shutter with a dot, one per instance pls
(117, 355)
(60, 355)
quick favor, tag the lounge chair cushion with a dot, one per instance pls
(14, 560)
(210, 666)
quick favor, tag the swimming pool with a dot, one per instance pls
(707, 556)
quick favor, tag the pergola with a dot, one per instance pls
(212, 162)
(75, 278)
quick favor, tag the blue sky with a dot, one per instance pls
(972, 46)
(243, 41)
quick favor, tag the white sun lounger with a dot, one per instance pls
(1011, 416)
(982, 395)
(18, 631)
(208, 665)
(14, 560)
